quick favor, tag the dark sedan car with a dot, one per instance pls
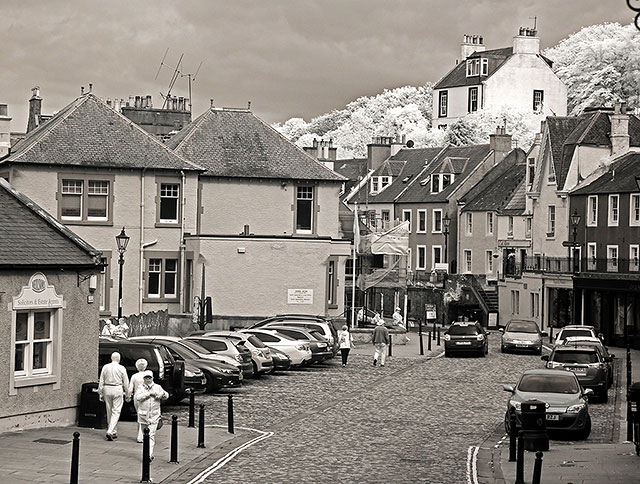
(466, 337)
(586, 363)
(318, 345)
(281, 361)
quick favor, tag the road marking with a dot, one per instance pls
(230, 455)
(472, 469)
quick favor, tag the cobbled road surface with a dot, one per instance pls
(409, 422)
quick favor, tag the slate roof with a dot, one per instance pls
(235, 143)
(620, 177)
(353, 169)
(496, 189)
(420, 189)
(518, 202)
(405, 166)
(88, 132)
(32, 237)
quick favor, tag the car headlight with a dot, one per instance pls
(189, 373)
(506, 339)
(575, 408)
(300, 347)
(480, 337)
(227, 371)
(515, 404)
(447, 337)
(322, 345)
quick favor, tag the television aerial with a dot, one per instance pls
(177, 73)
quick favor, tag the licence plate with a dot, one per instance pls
(522, 345)
(579, 371)
(551, 416)
(463, 342)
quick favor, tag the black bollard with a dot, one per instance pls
(201, 428)
(230, 414)
(75, 458)
(434, 329)
(146, 458)
(438, 336)
(390, 344)
(420, 333)
(192, 405)
(513, 435)
(537, 468)
(174, 440)
(520, 461)
(429, 342)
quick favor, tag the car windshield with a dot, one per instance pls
(463, 330)
(574, 357)
(193, 346)
(522, 327)
(549, 384)
(566, 333)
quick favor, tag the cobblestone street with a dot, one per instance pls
(411, 421)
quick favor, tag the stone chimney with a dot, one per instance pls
(35, 109)
(526, 42)
(619, 129)
(499, 144)
(378, 151)
(398, 143)
(5, 131)
(323, 151)
(471, 44)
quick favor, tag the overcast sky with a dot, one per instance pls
(289, 57)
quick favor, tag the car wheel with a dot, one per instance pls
(604, 396)
(211, 384)
(502, 349)
(539, 352)
(447, 354)
(586, 431)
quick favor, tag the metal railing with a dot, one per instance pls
(567, 265)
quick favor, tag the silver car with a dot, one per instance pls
(521, 335)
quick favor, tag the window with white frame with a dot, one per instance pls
(443, 105)
(634, 258)
(421, 261)
(612, 258)
(538, 100)
(33, 347)
(592, 211)
(484, 67)
(535, 305)
(472, 102)
(435, 183)
(515, 302)
(375, 184)
(614, 210)
(489, 223)
(446, 179)
(409, 259)
(436, 217)
(169, 203)
(489, 263)
(385, 219)
(510, 226)
(406, 217)
(71, 199)
(551, 221)
(422, 222)
(591, 256)
(634, 209)
(162, 277)
(468, 224)
(436, 255)
(304, 209)
(531, 171)
(467, 261)
(528, 226)
(332, 283)
(473, 67)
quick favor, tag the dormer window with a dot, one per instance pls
(440, 181)
(375, 184)
(485, 67)
(435, 183)
(379, 183)
(473, 67)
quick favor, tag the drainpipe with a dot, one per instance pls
(183, 248)
(141, 279)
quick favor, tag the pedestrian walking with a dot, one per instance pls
(380, 341)
(113, 388)
(346, 343)
(148, 396)
(136, 381)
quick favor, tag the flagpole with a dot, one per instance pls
(353, 279)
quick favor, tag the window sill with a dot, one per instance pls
(174, 225)
(332, 306)
(31, 381)
(148, 299)
(86, 222)
(104, 313)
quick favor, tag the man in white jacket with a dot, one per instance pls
(148, 395)
(113, 389)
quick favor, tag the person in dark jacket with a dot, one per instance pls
(380, 341)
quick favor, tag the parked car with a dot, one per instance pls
(466, 337)
(281, 361)
(318, 344)
(566, 401)
(224, 346)
(575, 330)
(194, 380)
(217, 373)
(586, 363)
(167, 372)
(260, 353)
(323, 327)
(521, 335)
(596, 343)
(298, 351)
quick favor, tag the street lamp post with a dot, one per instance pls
(122, 239)
(575, 221)
(445, 230)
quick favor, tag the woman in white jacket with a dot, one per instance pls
(148, 395)
(346, 342)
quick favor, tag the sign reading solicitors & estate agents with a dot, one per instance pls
(37, 295)
(300, 296)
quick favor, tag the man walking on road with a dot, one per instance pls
(112, 389)
(380, 341)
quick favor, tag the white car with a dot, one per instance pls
(297, 350)
(260, 353)
(575, 330)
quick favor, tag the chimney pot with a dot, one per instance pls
(249, 105)
(82, 90)
(90, 87)
(211, 102)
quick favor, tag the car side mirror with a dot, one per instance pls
(501, 330)
(612, 355)
(544, 333)
(588, 392)
(508, 388)
(608, 359)
(544, 357)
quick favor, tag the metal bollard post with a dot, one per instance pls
(429, 342)
(390, 344)
(520, 461)
(201, 428)
(434, 329)
(537, 468)
(438, 336)
(420, 333)
(230, 415)
(192, 405)
(75, 458)
(146, 458)
(174, 440)
(513, 435)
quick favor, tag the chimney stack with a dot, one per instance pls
(619, 129)
(471, 44)
(35, 109)
(500, 144)
(526, 42)
(5, 131)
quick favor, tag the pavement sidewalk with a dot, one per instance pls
(401, 349)
(44, 455)
(583, 462)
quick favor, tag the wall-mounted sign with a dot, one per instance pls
(37, 294)
(430, 310)
(300, 296)
(514, 243)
